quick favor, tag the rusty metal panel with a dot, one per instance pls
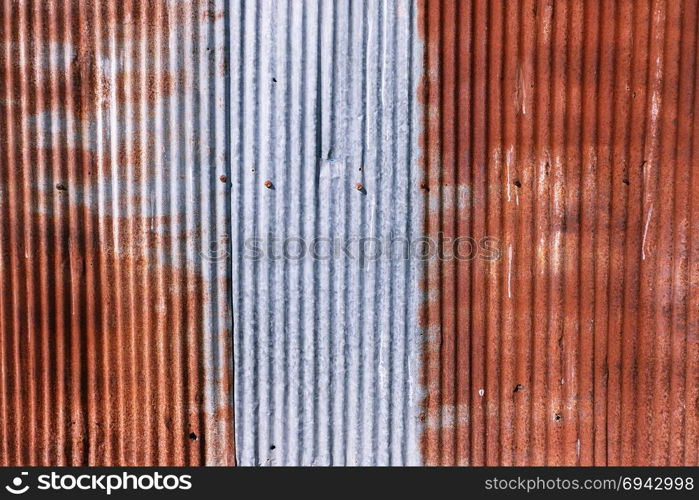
(571, 127)
(115, 320)
(324, 148)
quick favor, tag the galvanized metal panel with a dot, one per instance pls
(571, 127)
(114, 315)
(324, 145)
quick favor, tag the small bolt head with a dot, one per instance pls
(359, 186)
(268, 184)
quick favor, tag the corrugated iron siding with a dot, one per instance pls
(572, 126)
(114, 313)
(564, 130)
(326, 349)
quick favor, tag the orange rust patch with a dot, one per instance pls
(100, 316)
(117, 330)
(567, 124)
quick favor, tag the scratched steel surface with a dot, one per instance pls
(115, 321)
(324, 145)
(572, 128)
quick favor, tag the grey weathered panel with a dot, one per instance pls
(324, 145)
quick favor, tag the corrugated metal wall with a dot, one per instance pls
(115, 321)
(572, 128)
(165, 163)
(324, 145)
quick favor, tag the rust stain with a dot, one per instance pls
(100, 312)
(569, 130)
(74, 39)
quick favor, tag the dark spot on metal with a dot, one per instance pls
(193, 436)
(223, 178)
(517, 183)
(61, 187)
(518, 387)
